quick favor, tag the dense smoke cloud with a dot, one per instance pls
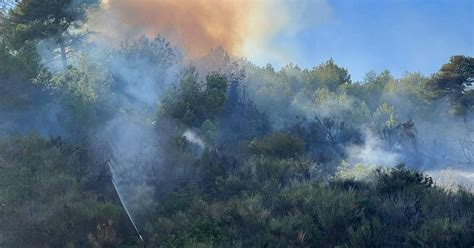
(245, 28)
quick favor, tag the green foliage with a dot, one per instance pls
(35, 20)
(22, 63)
(280, 145)
(267, 202)
(374, 85)
(406, 94)
(43, 202)
(209, 130)
(84, 90)
(359, 172)
(340, 106)
(384, 117)
(327, 75)
(41, 19)
(193, 103)
(273, 92)
(216, 86)
(323, 137)
(156, 52)
(439, 232)
(83, 84)
(241, 120)
(400, 178)
(454, 80)
(273, 173)
(16, 71)
(269, 211)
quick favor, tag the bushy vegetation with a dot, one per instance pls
(47, 199)
(220, 154)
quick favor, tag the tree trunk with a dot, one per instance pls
(63, 54)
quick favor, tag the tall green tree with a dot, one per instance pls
(33, 20)
(17, 67)
(193, 102)
(328, 75)
(454, 80)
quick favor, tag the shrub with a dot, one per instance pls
(279, 145)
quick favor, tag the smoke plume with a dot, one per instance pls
(243, 27)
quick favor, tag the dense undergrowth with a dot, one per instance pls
(49, 199)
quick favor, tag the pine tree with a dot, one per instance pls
(34, 20)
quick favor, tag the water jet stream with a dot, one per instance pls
(124, 204)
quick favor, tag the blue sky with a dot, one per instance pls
(364, 35)
(415, 36)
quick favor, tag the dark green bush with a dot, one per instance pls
(279, 145)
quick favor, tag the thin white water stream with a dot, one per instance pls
(124, 204)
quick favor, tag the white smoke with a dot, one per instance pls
(452, 179)
(194, 139)
(372, 152)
